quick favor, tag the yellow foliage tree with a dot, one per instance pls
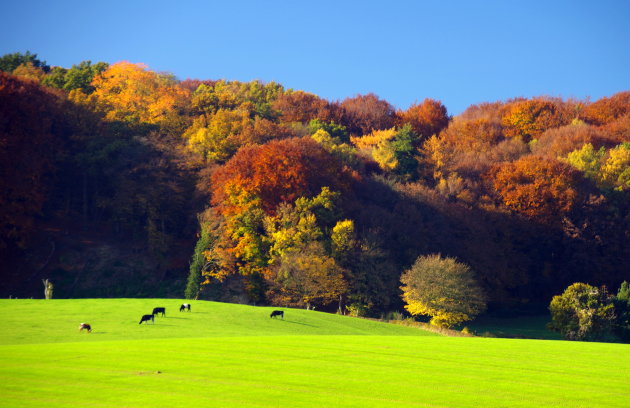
(435, 155)
(587, 160)
(442, 288)
(393, 149)
(29, 71)
(290, 229)
(343, 236)
(385, 155)
(308, 276)
(615, 172)
(216, 137)
(373, 139)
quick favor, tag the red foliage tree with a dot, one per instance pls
(262, 130)
(192, 84)
(365, 113)
(490, 111)
(30, 117)
(301, 106)
(279, 171)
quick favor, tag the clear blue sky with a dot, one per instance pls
(460, 52)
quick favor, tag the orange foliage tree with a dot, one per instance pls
(618, 130)
(606, 110)
(426, 119)
(464, 146)
(560, 141)
(538, 188)
(132, 93)
(529, 118)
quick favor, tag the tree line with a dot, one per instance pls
(278, 196)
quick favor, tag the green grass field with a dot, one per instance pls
(223, 355)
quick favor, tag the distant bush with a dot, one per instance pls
(357, 310)
(393, 316)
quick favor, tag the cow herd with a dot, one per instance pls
(162, 310)
(145, 318)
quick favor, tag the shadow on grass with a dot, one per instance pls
(303, 324)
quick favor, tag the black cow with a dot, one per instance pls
(185, 306)
(146, 318)
(157, 310)
(277, 313)
(86, 327)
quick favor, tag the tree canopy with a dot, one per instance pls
(442, 288)
(582, 312)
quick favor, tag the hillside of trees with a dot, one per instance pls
(120, 181)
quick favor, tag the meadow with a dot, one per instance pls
(222, 355)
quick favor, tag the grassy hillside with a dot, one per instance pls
(229, 355)
(42, 321)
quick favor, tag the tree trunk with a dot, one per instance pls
(48, 288)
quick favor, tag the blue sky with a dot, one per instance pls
(459, 52)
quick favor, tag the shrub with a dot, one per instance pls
(582, 312)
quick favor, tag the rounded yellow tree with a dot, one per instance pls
(442, 288)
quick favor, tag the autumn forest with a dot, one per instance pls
(118, 181)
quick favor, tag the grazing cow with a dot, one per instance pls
(86, 327)
(185, 306)
(277, 313)
(157, 310)
(146, 318)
